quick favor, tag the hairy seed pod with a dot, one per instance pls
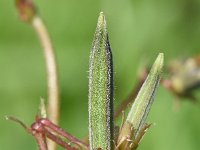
(101, 90)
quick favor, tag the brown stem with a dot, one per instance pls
(132, 95)
(28, 13)
(59, 141)
(19, 122)
(51, 69)
(37, 130)
(49, 125)
(41, 141)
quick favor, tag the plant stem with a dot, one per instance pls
(131, 97)
(41, 141)
(28, 13)
(51, 127)
(51, 68)
(52, 76)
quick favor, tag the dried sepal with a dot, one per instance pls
(125, 136)
(136, 142)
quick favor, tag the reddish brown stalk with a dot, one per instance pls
(37, 131)
(43, 128)
(19, 122)
(58, 140)
(132, 95)
(41, 141)
(59, 131)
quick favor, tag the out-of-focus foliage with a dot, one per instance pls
(185, 77)
(138, 30)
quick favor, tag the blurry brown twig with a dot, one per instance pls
(28, 13)
(51, 68)
(131, 97)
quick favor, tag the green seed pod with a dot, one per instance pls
(101, 130)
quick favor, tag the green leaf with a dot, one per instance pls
(101, 90)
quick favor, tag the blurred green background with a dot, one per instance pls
(138, 31)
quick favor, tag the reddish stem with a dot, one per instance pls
(58, 140)
(132, 95)
(39, 134)
(49, 125)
